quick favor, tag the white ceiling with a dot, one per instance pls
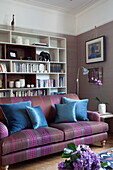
(70, 6)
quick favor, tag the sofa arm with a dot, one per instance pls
(3, 131)
(94, 116)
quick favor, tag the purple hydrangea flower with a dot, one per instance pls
(88, 160)
(61, 165)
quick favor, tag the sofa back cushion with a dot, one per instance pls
(47, 103)
(16, 116)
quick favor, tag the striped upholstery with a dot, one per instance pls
(94, 116)
(3, 131)
(30, 138)
(30, 143)
(48, 149)
(81, 128)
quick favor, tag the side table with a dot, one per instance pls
(108, 118)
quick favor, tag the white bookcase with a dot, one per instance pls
(41, 77)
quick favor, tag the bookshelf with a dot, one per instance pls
(20, 61)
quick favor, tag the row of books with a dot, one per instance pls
(56, 68)
(55, 93)
(4, 94)
(28, 93)
(25, 67)
(3, 67)
(46, 82)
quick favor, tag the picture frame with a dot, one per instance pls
(95, 50)
(95, 74)
(12, 54)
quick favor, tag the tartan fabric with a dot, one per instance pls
(94, 116)
(48, 149)
(81, 128)
(45, 102)
(30, 143)
(3, 131)
(29, 138)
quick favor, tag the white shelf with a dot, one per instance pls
(55, 46)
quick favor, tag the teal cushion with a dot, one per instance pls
(65, 112)
(16, 116)
(81, 107)
(37, 117)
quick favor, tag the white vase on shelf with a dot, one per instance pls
(102, 108)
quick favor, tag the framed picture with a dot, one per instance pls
(95, 74)
(95, 50)
(12, 54)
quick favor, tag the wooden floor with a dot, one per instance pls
(51, 162)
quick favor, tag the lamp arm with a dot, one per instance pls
(77, 79)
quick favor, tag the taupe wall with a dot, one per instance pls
(90, 90)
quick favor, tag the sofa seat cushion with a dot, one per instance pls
(80, 128)
(29, 138)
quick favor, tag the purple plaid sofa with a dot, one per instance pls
(29, 143)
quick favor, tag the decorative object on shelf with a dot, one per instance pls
(28, 85)
(26, 41)
(95, 50)
(81, 157)
(29, 58)
(85, 71)
(102, 108)
(32, 85)
(95, 74)
(17, 84)
(22, 82)
(40, 44)
(12, 54)
(11, 84)
(12, 23)
(18, 40)
(44, 56)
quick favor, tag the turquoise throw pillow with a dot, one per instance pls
(65, 112)
(37, 117)
(81, 107)
(16, 116)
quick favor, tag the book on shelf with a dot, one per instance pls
(46, 83)
(3, 67)
(25, 67)
(40, 44)
(61, 82)
(4, 94)
(22, 93)
(56, 67)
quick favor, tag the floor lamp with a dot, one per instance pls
(85, 71)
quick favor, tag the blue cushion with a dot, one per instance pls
(65, 112)
(16, 116)
(81, 107)
(37, 117)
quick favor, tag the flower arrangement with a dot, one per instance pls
(99, 84)
(80, 158)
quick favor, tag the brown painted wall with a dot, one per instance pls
(90, 90)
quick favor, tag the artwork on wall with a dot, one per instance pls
(95, 74)
(12, 54)
(95, 50)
